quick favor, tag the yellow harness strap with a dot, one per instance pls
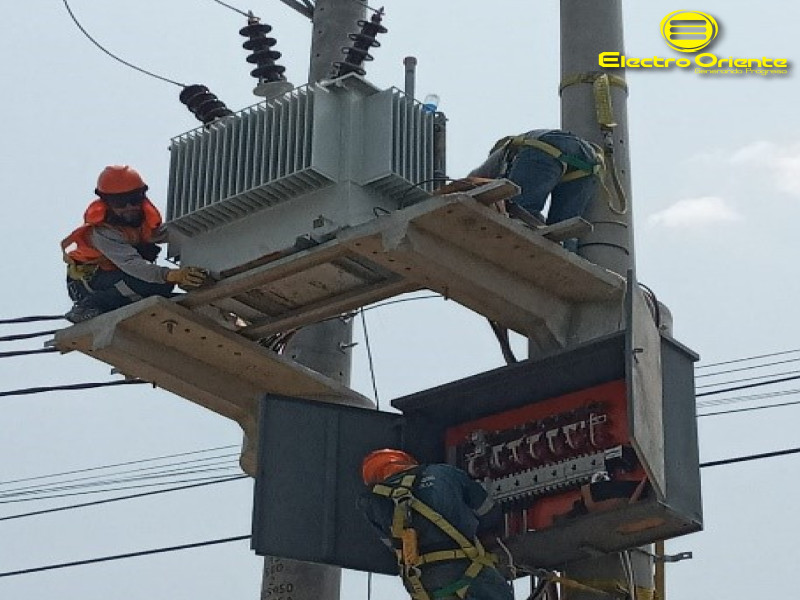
(580, 168)
(408, 558)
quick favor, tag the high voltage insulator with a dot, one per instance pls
(262, 54)
(203, 104)
(362, 42)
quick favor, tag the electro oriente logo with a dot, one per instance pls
(689, 31)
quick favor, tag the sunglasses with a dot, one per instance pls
(123, 200)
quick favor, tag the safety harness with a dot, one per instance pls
(406, 544)
(574, 167)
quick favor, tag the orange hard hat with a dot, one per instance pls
(119, 179)
(381, 464)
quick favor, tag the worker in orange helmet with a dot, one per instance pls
(431, 516)
(111, 257)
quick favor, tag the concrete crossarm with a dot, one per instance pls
(158, 341)
(494, 265)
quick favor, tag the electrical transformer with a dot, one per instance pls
(315, 160)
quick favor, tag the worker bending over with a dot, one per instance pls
(431, 515)
(547, 162)
(111, 257)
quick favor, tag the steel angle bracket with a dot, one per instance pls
(491, 264)
(300, 288)
(190, 355)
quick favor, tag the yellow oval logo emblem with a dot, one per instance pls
(689, 30)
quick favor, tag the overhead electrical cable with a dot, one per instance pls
(233, 8)
(369, 360)
(754, 378)
(58, 487)
(114, 56)
(70, 387)
(730, 461)
(206, 462)
(749, 409)
(748, 398)
(740, 369)
(26, 336)
(401, 300)
(705, 465)
(120, 498)
(748, 386)
(116, 489)
(90, 561)
(122, 464)
(27, 352)
(738, 360)
(32, 319)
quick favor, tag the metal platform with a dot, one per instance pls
(158, 341)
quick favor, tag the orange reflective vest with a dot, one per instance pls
(82, 251)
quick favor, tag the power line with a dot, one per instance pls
(122, 464)
(753, 408)
(401, 300)
(70, 387)
(750, 398)
(730, 461)
(27, 352)
(369, 360)
(748, 386)
(119, 473)
(120, 498)
(778, 362)
(247, 537)
(26, 336)
(114, 56)
(90, 561)
(738, 360)
(57, 487)
(117, 489)
(233, 8)
(31, 319)
(754, 378)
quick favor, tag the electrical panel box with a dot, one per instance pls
(591, 450)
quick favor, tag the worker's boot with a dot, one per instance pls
(82, 311)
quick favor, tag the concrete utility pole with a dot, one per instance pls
(324, 347)
(588, 28)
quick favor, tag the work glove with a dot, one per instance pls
(187, 277)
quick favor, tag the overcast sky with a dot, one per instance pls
(716, 171)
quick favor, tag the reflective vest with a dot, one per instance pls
(83, 252)
(404, 538)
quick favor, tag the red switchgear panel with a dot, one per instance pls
(588, 451)
(547, 461)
